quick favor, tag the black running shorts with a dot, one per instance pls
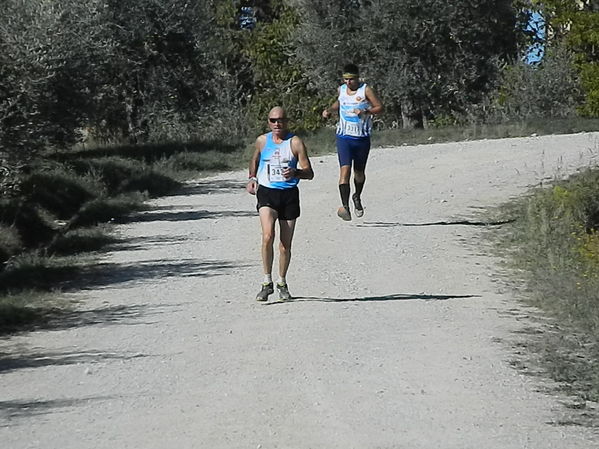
(285, 201)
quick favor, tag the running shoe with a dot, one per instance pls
(284, 294)
(358, 205)
(343, 213)
(267, 289)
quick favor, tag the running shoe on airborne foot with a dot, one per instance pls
(284, 294)
(267, 289)
(358, 205)
(343, 213)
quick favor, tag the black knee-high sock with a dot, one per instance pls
(344, 192)
(359, 188)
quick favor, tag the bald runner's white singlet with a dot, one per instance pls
(274, 158)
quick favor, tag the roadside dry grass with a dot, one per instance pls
(551, 254)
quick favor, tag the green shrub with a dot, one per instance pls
(554, 241)
(33, 271)
(113, 172)
(553, 247)
(32, 224)
(146, 153)
(10, 242)
(127, 175)
(14, 314)
(61, 192)
(589, 73)
(150, 182)
(81, 240)
(549, 89)
(104, 210)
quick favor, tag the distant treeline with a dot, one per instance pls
(175, 70)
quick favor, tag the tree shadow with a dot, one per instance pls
(188, 215)
(11, 362)
(384, 224)
(394, 297)
(61, 319)
(24, 409)
(204, 187)
(32, 360)
(55, 318)
(106, 274)
(144, 243)
(170, 207)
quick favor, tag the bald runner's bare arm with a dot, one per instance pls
(252, 184)
(299, 150)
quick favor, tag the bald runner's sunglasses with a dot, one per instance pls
(277, 120)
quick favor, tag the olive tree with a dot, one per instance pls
(426, 59)
(49, 53)
(128, 69)
(575, 24)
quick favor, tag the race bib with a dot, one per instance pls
(275, 171)
(352, 129)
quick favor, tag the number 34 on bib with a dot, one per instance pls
(276, 169)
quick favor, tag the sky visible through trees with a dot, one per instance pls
(535, 52)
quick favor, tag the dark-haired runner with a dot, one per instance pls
(356, 103)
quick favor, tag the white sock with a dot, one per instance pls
(267, 278)
(282, 281)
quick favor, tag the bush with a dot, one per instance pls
(589, 73)
(35, 271)
(14, 315)
(113, 172)
(126, 175)
(81, 240)
(104, 210)
(60, 191)
(549, 89)
(150, 182)
(553, 246)
(31, 223)
(554, 240)
(10, 243)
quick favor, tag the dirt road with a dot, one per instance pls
(398, 336)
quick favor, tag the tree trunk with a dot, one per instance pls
(411, 117)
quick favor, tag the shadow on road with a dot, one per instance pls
(146, 242)
(24, 409)
(395, 297)
(29, 360)
(208, 187)
(175, 213)
(70, 278)
(121, 314)
(12, 362)
(186, 215)
(384, 224)
(66, 318)
(105, 274)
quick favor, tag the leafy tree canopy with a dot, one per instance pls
(576, 25)
(434, 56)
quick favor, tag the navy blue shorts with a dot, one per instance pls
(353, 151)
(285, 201)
